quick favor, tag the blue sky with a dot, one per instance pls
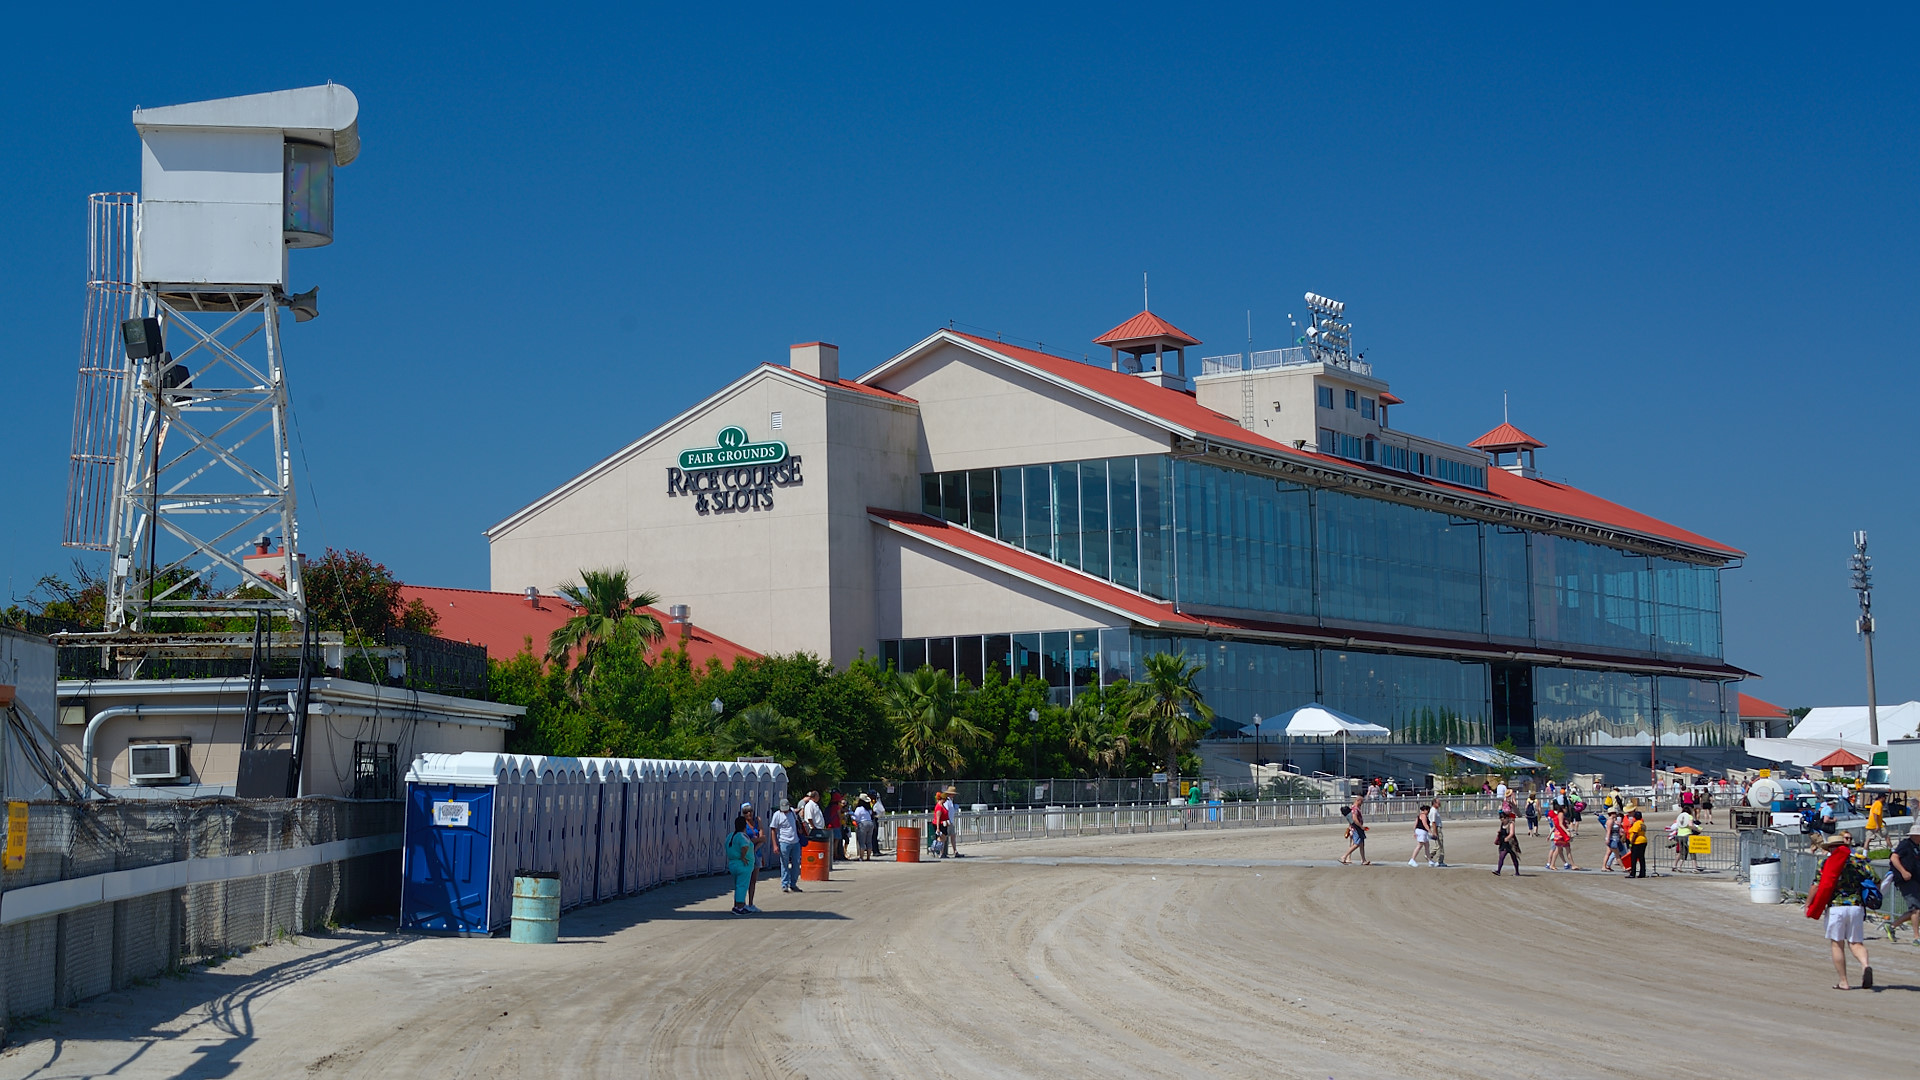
(1684, 245)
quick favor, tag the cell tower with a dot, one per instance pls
(180, 455)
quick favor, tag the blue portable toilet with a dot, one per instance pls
(446, 863)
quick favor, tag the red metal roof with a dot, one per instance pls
(1145, 609)
(1182, 410)
(844, 384)
(1752, 708)
(505, 623)
(1506, 437)
(1840, 759)
(1145, 327)
(1389, 399)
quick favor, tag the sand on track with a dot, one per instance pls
(1166, 955)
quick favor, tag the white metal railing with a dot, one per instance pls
(1033, 823)
(1265, 359)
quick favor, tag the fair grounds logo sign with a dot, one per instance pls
(734, 474)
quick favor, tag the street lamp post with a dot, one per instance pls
(1033, 736)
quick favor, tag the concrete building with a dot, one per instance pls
(979, 506)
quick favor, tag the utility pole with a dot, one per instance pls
(1863, 585)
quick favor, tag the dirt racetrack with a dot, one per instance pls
(1182, 955)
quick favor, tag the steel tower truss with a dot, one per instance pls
(203, 468)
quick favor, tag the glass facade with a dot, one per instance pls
(1424, 699)
(1191, 532)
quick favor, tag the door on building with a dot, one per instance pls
(1513, 705)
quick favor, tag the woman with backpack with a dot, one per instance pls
(1838, 898)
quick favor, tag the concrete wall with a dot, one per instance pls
(977, 413)
(925, 591)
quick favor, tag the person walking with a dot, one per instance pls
(1906, 878)
(785, 824)
(863, 827)
(1506, 841)
(1877, 818)
(1533, 817)
(740, 864)
(942, 826)
(1562, 852)
(1637, 844)
(1422, 838)
(1703, 806)
(1837, 899)
(758, 835)
(1683, 829)
(951, 800)
(1439, 837)
(1616, 842)
(1356, 833)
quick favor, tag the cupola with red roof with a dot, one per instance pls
(1507, 439)
(1147, 334)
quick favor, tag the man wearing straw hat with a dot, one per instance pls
(1837, 898)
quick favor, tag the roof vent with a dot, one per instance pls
(682, 619)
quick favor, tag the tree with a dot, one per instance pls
(762, 731)
(1095, 736)
(1555, 759)
(934, 736)
(1169, 714)
(607, 611)
(81, 601)
(349, 592)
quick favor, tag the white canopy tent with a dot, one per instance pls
(1317, 720)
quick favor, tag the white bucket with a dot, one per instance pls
(1763, 882)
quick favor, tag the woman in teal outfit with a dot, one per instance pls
(740, 862)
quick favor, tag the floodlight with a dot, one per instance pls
(143, 338)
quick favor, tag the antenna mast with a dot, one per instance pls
(1862, 565)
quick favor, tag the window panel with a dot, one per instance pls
(998, 649)
(1093, 518)
(930, 494)
(913, 654)
(1039, 488)
(953, 497)
(1066, 514)
(1026, 656)
(966, 659)
(1123, 523)
(981, 504)
(940, 654)
(1012, 520)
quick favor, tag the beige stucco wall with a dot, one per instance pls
(214, 755)
(926, 591)
(790, 578)
(976, 413)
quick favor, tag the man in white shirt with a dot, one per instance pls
(1501, 791)
(1434, 834)
(812, 817)
(880, 818)
(953, 824)
(785, 824)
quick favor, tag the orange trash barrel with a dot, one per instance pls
(813, 861)
(906, 844)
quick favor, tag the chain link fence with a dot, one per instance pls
(119, 890)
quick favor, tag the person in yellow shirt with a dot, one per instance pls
(1876, 818)
(1637, 841)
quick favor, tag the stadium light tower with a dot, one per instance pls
(1329, 336)
(1862, 565)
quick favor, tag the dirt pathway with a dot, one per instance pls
(1215, 954)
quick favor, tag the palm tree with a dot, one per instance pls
(1169, 714)
(933, 735)
(763, 731)
(607, 612)
(1092, 734)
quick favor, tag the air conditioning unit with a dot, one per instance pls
(157, 763)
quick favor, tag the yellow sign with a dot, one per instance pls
(1764, 773)
(16, 857)
(1699, 844)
